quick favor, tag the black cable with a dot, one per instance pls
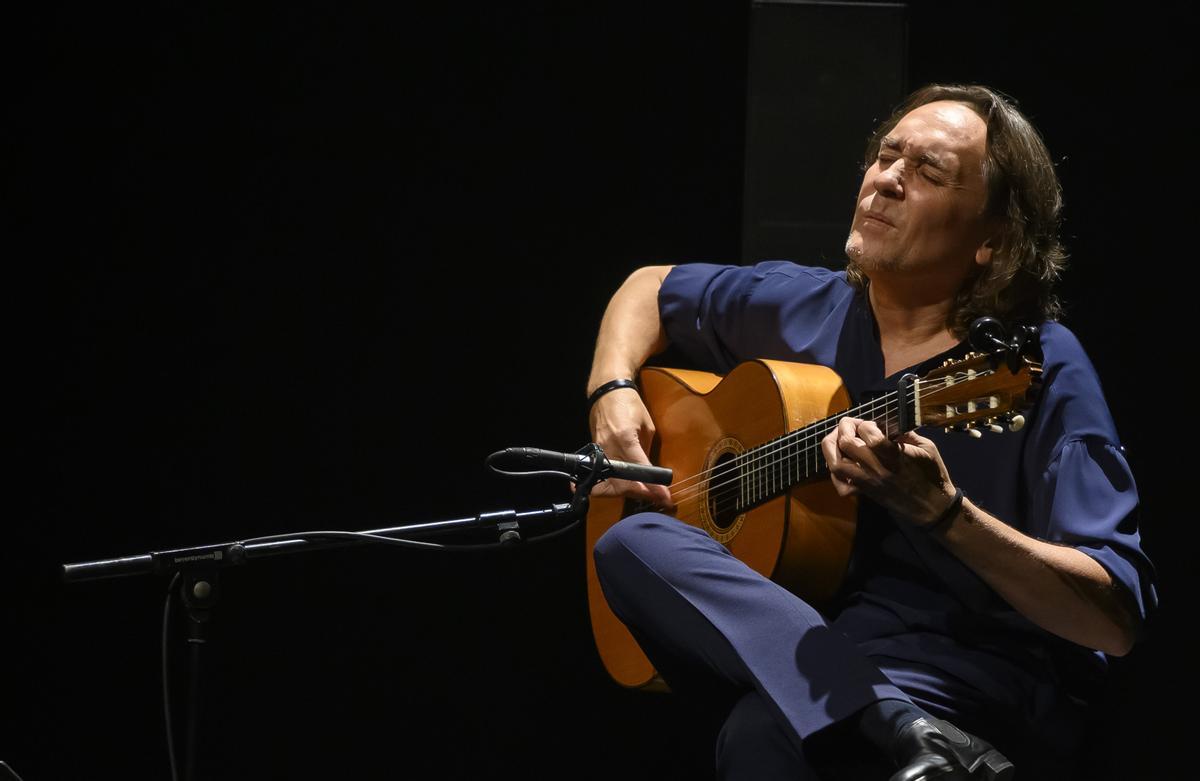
(167, 679)
(550, 535)
(340, 535)
(537, 473)
(591, 450)
(317, 535)
(337, 535)
(403, 543)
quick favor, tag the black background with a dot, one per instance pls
(301, 266)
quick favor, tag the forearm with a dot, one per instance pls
(631, 330)
(1059, 588)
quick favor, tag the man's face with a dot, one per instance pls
(921, 205)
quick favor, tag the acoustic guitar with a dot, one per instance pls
(745, 450)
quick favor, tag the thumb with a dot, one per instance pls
(660, 495)
(913, 438)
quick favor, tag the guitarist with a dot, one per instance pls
(990, 578)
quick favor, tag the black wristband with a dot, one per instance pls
(948, 514)
(611, 385)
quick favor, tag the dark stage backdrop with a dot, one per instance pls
(298, 266)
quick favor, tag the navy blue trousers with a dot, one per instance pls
(720, 633)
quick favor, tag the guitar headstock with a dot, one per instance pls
(979, 390)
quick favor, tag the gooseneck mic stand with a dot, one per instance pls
(194, 570)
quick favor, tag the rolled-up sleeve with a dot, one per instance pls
(1081, 488)
(1087, 498)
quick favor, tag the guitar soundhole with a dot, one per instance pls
(724, 492)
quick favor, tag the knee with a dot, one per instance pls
(644, 536)
(640, 542)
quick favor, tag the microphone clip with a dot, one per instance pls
(590, 471)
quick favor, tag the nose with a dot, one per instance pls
(890, 181)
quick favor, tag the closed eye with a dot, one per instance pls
(924, 169)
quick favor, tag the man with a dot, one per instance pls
(989, 578)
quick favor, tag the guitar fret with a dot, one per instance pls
(764, 486)
(742, 478)
(772, 468)
(816, 467)
(807, 473)
(758, 484)
(761, 481)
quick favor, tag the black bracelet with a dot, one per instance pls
(948, 514)
(611, 385)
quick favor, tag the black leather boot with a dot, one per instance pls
(929, 748)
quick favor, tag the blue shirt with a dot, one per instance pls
(1062, 478)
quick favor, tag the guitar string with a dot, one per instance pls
(772, 456)
(692, 506)
(796, 443)
(767, 450)
(698, 492)
(786, 447)
(788, 439)
(761, 488)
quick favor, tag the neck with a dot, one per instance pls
(913, 318)
(911, 310)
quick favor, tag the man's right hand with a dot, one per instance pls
(621, 425)
(630, 332)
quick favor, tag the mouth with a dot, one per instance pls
(878, 218)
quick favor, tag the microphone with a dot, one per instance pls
(578, 465)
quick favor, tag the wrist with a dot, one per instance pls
(947, 516)
(608, 387)
(600, 376)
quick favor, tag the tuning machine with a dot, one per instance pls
(1008, 422)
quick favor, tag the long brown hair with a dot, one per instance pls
(1023, 191)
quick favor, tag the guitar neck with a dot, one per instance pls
(770, 469)
(979, 390)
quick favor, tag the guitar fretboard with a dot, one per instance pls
(768, 470)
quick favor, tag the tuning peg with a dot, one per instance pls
(974, 433)
(1016, 422)
(990, 424)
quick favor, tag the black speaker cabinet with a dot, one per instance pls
(821, 76)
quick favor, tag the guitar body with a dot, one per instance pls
(801, 539)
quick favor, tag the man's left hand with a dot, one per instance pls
(907, 476)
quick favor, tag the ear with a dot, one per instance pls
(983, 255)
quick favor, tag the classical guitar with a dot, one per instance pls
(748, 469)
